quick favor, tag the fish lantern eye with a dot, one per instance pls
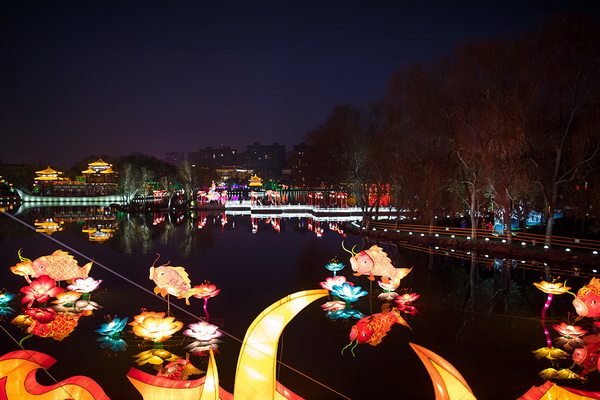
(593, 301)
(364, 334)
(161, 274)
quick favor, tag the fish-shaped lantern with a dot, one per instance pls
(373, 328)
(587, 301)
(173, 281)
(375, 262)
(60, 266)
(588, 355)
(179, 370)
(58, 329)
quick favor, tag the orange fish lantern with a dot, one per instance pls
(174, 281)
(375, 262)
(60, 266)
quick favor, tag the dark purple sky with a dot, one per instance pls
(113, 77)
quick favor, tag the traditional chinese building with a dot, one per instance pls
(98, 180)
(46, 180)
(100, 173)
(255, 181)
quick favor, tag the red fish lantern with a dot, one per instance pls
(588, 355)
(61, 327)
(587, 301)
(179, 370)
(373, 328)
(375, 262)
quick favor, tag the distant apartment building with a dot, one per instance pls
(298, 164)
(215, 158)
(267, 161)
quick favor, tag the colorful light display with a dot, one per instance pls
(60, 320)
(255, 373)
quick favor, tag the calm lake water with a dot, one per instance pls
(484, 319)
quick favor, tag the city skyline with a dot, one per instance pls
(96, 78)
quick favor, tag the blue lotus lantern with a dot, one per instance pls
(335, 267)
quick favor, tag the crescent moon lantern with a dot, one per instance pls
(255, 374)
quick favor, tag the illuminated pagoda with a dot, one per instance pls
(100, 172)
(100, 179)
(48, 175)
(46, 179)
(255, 181)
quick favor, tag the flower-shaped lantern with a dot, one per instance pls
(206, 291)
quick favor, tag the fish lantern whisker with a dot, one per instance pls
(349, 251)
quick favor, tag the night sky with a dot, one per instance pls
(80, 78)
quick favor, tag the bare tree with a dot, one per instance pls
(133, 181)
(563, 130)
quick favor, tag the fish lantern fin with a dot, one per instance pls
(188, 370)
(357, 274)
(183, 273)
(386, 280)
(404, 271)
(403, 322)
(372, 278)
(87, 267)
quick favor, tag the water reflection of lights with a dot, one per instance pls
(275, 223)
(159, 218)
(335, 226)
(201, 221)
(102, 223)
(498, 263)
(48, 226)
(99, 236)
